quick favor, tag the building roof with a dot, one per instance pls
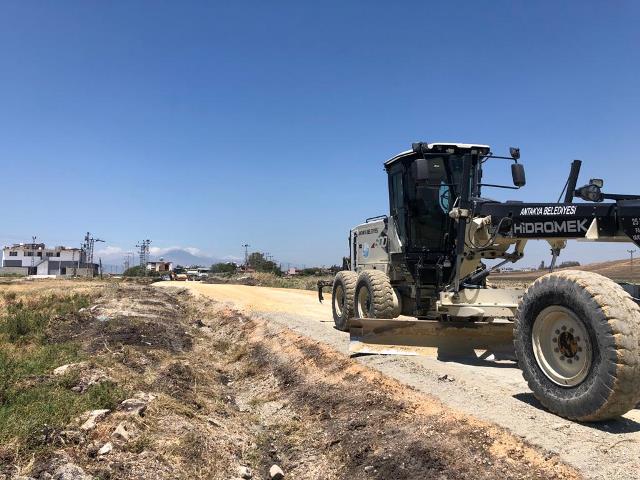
(37, 246)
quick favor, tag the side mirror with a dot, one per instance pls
(517, 173)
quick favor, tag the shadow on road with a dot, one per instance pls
(445, 355)
(620, 425)
(360, 355)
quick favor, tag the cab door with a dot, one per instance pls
(397, 205)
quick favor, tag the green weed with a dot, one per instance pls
(28, 320)
(33, 404)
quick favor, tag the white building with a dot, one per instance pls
(38, 259)
(160, 266)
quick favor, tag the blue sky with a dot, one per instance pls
(210, 124)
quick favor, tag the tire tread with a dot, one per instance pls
(620, 317)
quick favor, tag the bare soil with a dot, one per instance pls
(226, 390)
(490, 390)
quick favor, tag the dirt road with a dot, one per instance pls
(493, 391)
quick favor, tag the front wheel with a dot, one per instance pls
(342, 294)
(577, 340)
(375, 297)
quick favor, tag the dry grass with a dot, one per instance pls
(271, 280)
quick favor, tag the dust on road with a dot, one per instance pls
(492, 391)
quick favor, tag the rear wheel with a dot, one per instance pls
(576, 336)
(375, 297)
(343, 291)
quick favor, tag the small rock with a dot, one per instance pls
(106, 448)
(121, 432)
(275, 473)
(102, 318)
(64, 369)
(134, 406)
(215, 422)
(69, 471)
(245, 472)
(92, 418)
(90, 424)
(447, 378)
(61, 370)
(369, 469)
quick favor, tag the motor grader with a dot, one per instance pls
(417, 279)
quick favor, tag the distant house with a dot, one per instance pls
(38, 259)
(160, 266)
(292, 272)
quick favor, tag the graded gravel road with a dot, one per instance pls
(489, 390)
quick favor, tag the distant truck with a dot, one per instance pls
(197, 274)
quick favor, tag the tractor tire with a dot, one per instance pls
(577, 341)
(374, 296)
(342, 295)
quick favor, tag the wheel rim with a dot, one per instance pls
(339, 300)
(364, 303)
(561, 346)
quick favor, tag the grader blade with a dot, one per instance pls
(431, 338)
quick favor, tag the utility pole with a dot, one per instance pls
(128, 260)
(144, 254)
(246, 255)
(33, 253)
(631, 252)
(88, 247)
